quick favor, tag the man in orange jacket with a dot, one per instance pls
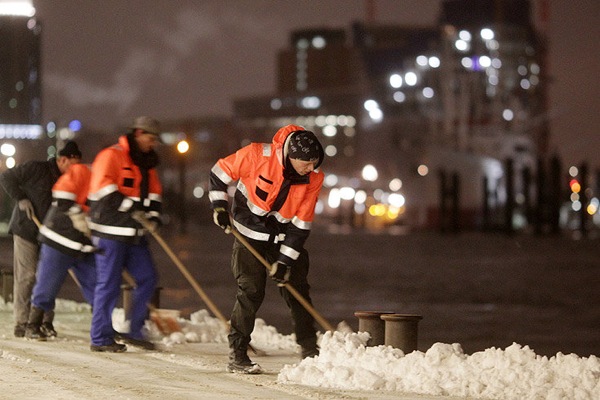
(273, 207)
(124, 183)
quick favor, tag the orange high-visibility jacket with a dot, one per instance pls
(115, 192)
(69, 195)
(259, 170)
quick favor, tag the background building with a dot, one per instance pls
(401, 109)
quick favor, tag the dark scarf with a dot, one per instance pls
(291, 177)
(145, 162)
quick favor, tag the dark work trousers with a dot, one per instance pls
(251, 277)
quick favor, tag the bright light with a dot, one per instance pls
(330, 180)
(377, 210)
(575, 186)
(410, 78)
(428, 92)
(508, 115)
(573, 171)
(396, 81)
(10, 162)
(371, 105)
(399, 97)
(396, 200)
(434, 62)
(395, 184)
(487, 34)
(485, 61)
(360, 197)
(464, 35)
(334, 199)
(17, 8)
(461, 45)
(329, 130)
(369, 173)
(8, 149)
(422, 170)
(75, 125)
(183, 146)
(310, 102)
(421, 60)
(319, 42)
(198, 192)
(330, 150)
(376, 115)
(347, 193)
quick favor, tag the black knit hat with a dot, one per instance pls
(304, 145)
(71, 150)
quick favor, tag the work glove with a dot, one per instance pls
(280, 273)
(26, 206)
(80, 223)
(221, 218)
(151, 225)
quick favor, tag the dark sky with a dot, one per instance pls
(107, 61)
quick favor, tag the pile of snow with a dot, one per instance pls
(444, 370)
(346, 363)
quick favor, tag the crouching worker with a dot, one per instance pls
(124, 184)
(273, 208)
(65, 243)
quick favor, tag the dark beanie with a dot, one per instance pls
(304, 145)
(70, 150)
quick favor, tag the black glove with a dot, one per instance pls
(221, 218)
(280, 273)
(25, 205)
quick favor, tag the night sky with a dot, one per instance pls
(107, 61)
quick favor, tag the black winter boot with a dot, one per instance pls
(47, 324)
(33, 330)
(240, 363)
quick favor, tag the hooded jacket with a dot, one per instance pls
(117, 189)
(69, 195)
(260, 170)
(32, 180)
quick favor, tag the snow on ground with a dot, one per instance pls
(345, 362)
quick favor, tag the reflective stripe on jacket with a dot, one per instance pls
(115, 193)
(258, 168)
(69, 195)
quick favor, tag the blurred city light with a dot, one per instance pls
(7, 149)
(369, 173)
(183, 146)
(17, 8)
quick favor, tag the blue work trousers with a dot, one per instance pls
(112, 258)
(52, 271)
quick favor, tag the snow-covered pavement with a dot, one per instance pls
(190, 365)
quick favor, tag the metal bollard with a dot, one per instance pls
(371, 322)
(401, 331)
(7, 286)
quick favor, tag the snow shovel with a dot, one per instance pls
(186, 273)
(145, 223)
(311, 310)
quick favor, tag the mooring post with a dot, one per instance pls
(401, 331)
(371, 322)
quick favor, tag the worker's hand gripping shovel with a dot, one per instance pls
(311, 310)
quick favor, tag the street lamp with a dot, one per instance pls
(182, 147)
